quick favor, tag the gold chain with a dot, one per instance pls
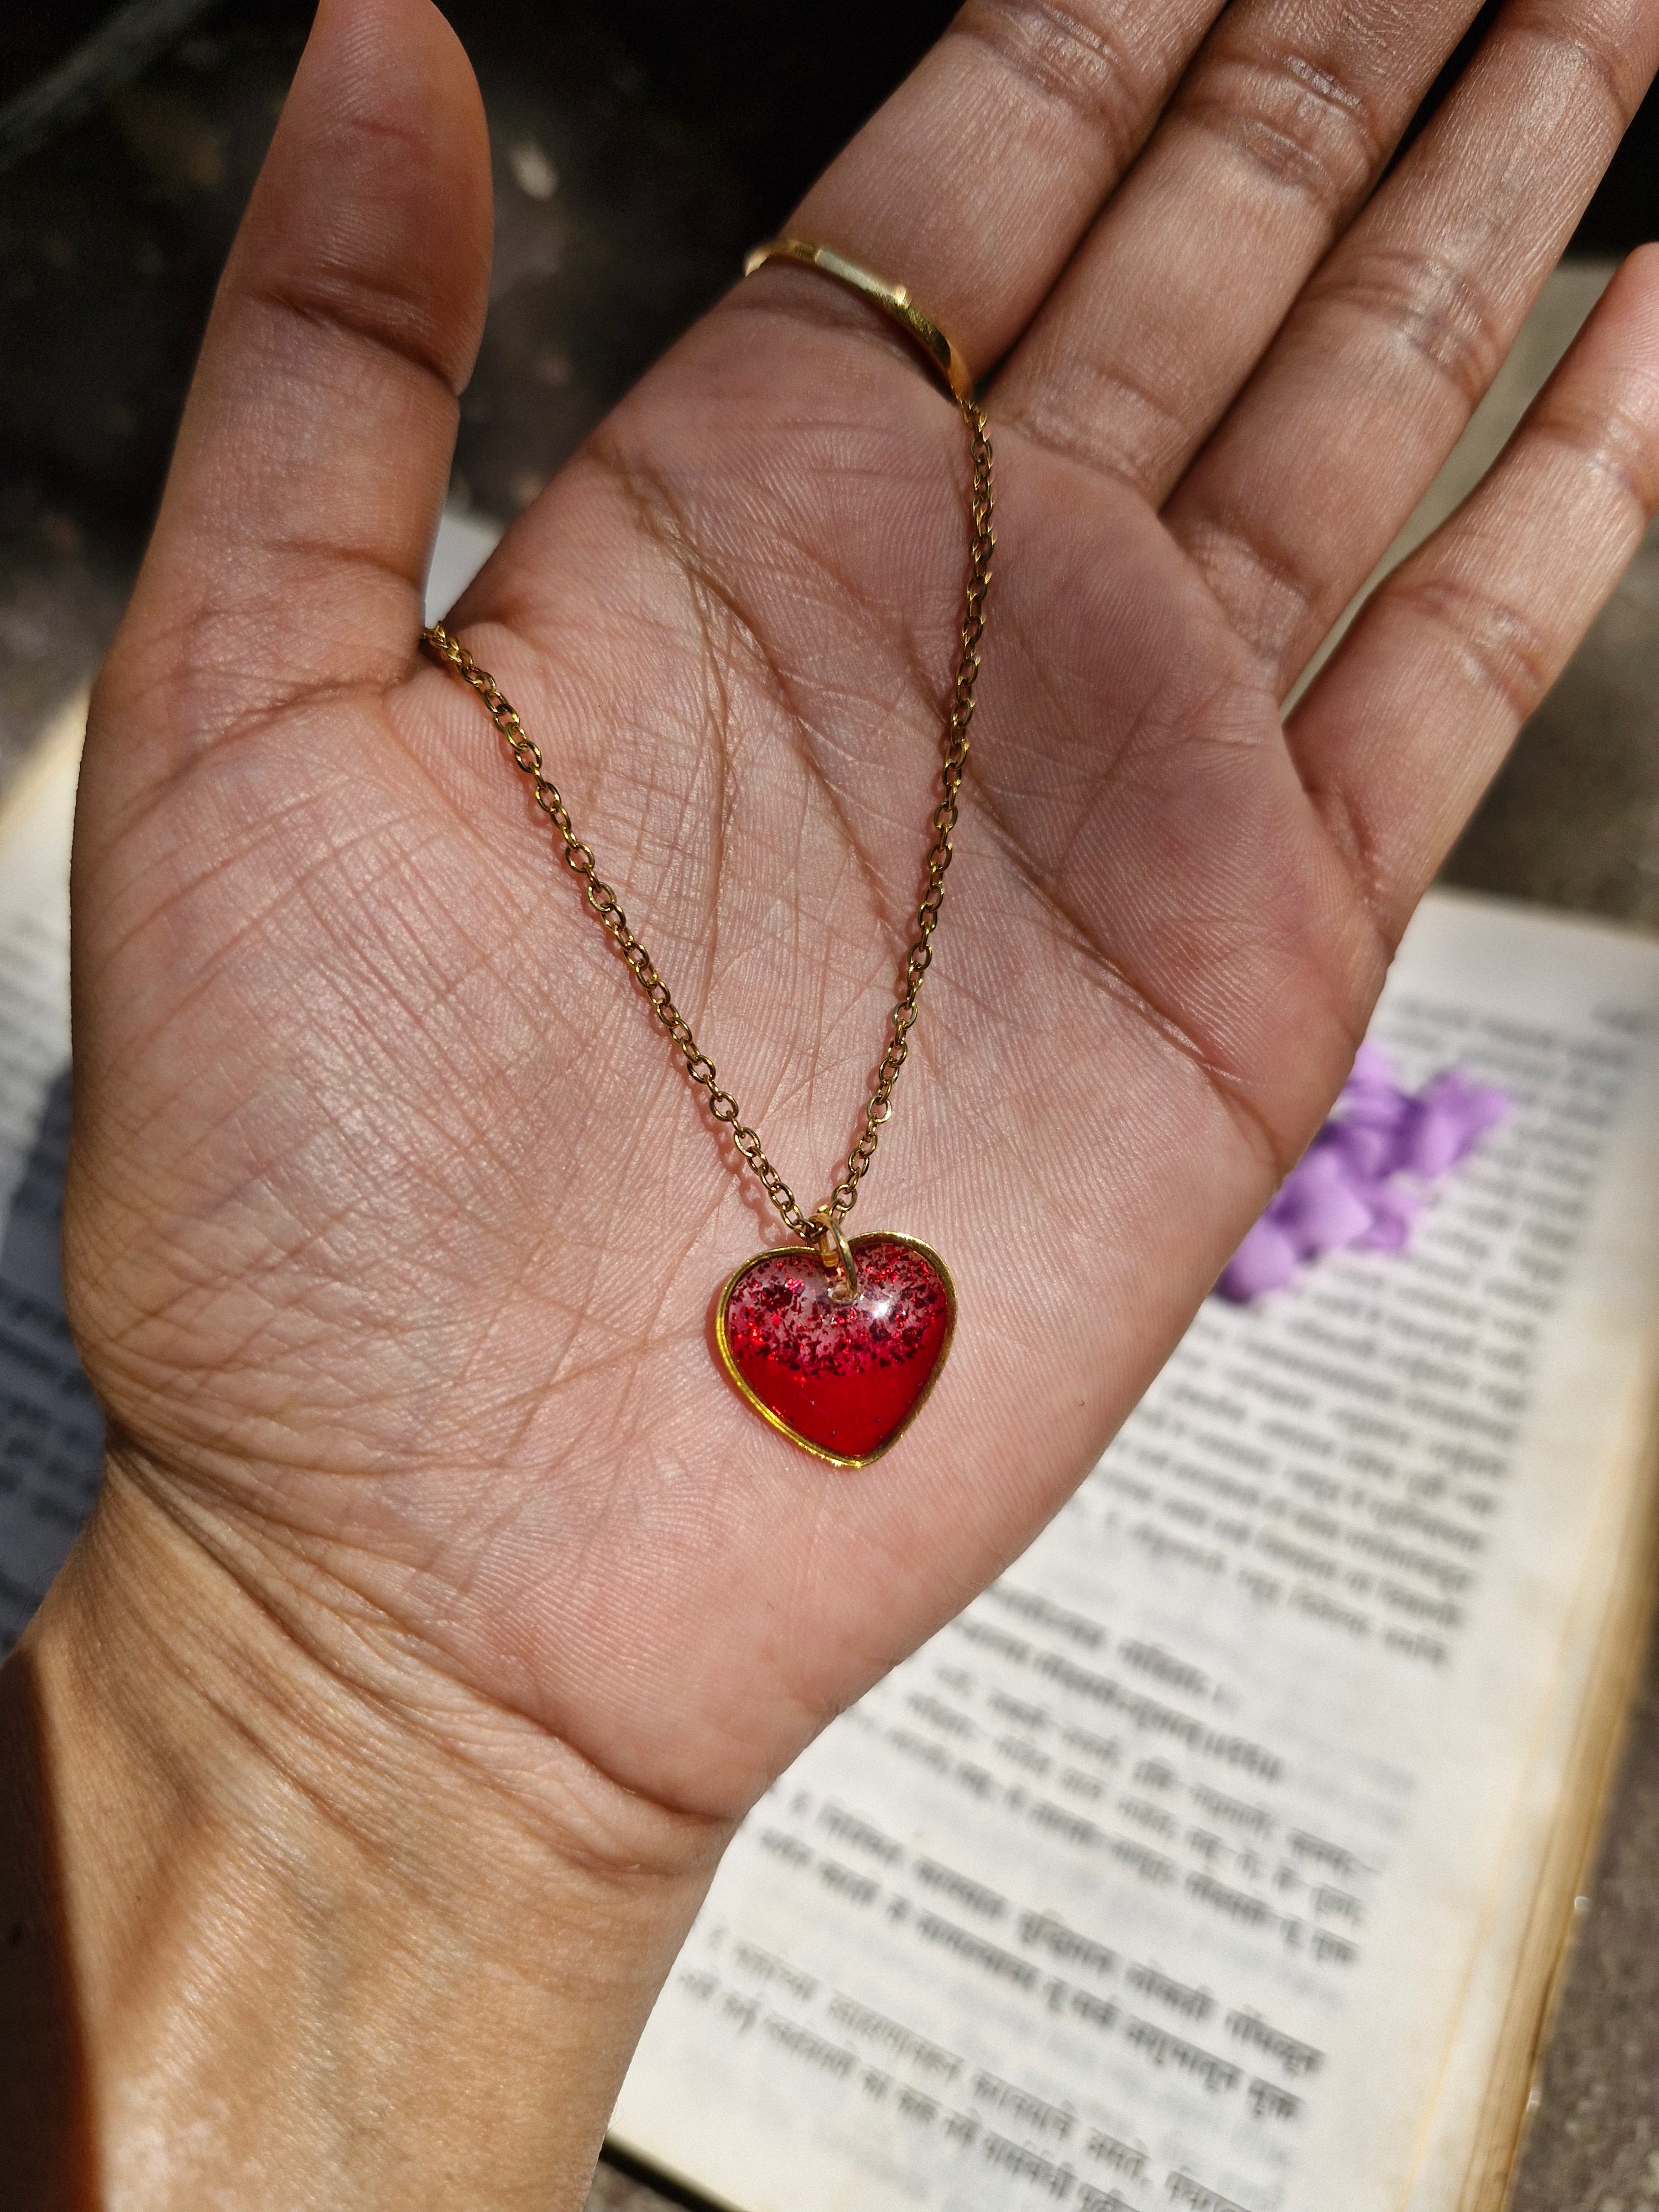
(526, 755)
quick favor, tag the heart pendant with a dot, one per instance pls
(843, 1378)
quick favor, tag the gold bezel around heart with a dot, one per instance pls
(810, 1256)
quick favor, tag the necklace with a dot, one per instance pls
(835, 1342)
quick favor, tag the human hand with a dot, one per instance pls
(394, 1229)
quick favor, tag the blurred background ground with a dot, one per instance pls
(639, 147)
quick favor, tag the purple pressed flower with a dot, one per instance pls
(1266, 1260)
(1363, 1181)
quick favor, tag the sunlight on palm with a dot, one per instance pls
(395, 1229)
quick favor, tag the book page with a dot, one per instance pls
(1190, 1867)
(51, 1436)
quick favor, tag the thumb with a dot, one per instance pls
(315, 448)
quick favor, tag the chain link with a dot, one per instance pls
(700, 1070)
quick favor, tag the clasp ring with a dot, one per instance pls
(836, 1254)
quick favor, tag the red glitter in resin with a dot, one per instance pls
(841, 1379)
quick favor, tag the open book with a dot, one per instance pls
(1221, 1857)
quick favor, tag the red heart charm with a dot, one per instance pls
(843, 1381)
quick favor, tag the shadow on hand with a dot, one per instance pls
(47, 2157)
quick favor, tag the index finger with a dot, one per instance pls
(974, 183)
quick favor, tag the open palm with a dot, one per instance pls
(395, 1229)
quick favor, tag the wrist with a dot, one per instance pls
(289, 1876)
